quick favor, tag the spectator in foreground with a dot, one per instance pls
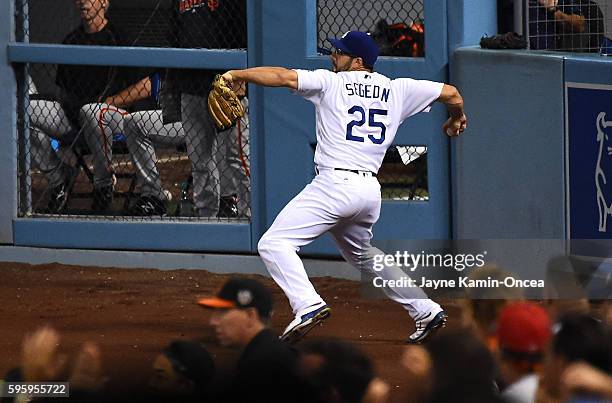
(463, 370)
(482, 306)
(579, 363)
(416, 361)
(337, 372)
(524, 331)
(182, 372)
(267, 368)
(43, 361)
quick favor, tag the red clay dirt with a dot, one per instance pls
(133, 313)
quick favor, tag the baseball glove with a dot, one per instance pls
(223, 104)
(509, 40)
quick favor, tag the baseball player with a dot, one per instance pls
(212, 25)
(146, 128)
(82, 88)
(358, 113)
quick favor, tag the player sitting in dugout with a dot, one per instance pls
(92, 102)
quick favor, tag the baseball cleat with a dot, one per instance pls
(59, 195)
(103, 198)
(149, 206)
(305, 321)
(228, 207)
(427, 325)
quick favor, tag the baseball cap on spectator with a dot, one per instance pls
(359, 44)
(242, 293)
(523, 330)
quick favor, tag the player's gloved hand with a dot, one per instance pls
(455, 126)
(223, 104)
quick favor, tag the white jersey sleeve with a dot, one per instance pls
(416, 95)
(312, 85)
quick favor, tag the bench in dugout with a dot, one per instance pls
(79, 149)
(76, 145)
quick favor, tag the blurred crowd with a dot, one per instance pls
(498, 350)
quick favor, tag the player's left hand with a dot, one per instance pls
(455, 126)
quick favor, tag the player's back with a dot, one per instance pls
(358, 113)
(355, 121)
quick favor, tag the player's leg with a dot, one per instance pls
(48, 120)
(100, 122)
(202, 149)
(142, 130)
(234, 169)
(315, 210)
(301, 221)
(354, 245)
(353, 237)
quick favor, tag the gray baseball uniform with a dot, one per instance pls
(231, 158)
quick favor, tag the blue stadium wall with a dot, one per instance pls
(505, 178)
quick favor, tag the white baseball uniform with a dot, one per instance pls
(358, 114)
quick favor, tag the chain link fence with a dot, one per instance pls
(213, 24)
(397, 26)
(568, 25)
(152, 158)
(403, 174)
(125, 141)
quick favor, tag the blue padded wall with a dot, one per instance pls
(8, 151)
(509, 171)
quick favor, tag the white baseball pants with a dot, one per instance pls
(347, 205)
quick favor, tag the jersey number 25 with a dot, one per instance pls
(371, 122)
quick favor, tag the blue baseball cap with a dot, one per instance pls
(359, 44)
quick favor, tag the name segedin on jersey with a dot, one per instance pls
(358, 113)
